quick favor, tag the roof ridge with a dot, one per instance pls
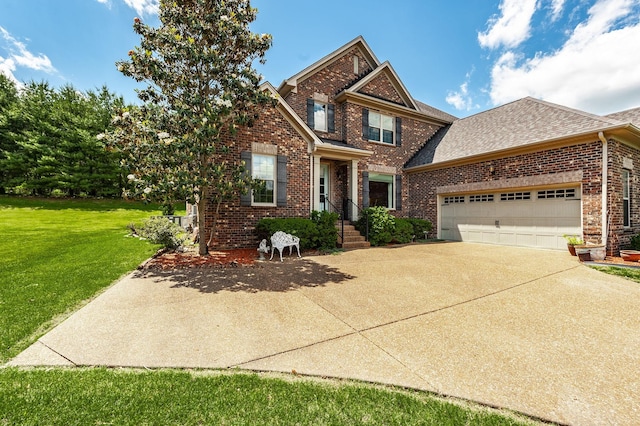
(603, 118)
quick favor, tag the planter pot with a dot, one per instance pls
(584, 254)
(572, 249)
(598, 253)
(630, 255)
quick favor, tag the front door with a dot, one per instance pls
(324, 188)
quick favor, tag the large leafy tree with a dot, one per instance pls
(202, 85)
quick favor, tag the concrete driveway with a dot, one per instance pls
(529, 330)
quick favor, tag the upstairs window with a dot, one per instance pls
(381, 128)
(319, 116)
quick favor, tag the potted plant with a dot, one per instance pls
(572, 242)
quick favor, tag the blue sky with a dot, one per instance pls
(459, 56)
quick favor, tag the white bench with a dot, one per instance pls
(280, 240)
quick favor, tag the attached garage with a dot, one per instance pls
(527, 218)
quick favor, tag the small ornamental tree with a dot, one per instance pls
(201, 86)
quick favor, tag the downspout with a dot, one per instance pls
(605, 204)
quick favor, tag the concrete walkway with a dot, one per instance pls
(529, 330)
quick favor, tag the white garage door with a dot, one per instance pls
(536, 218)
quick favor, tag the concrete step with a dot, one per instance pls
(355, 245)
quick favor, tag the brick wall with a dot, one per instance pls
(586, 158)
(236, 223)
(623, 157)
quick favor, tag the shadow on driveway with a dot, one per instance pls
(263, 276)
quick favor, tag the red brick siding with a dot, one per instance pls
(236, 224)
(329, 81)
(619, 236)
(380, 87)
(585, 157)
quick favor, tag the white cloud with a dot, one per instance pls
(557, 6)
(512, 27)
(143, 7)
(597, 69)
(461, 99)
(19, 55)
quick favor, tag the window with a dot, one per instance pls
(381, 127)
(455, 199)
(557, 193)
(484, 198)
(320, 116)
(263, 168)
(626, 200)
(381, 191)
(513, 196)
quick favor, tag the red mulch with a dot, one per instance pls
(191, 259)
(613, 261)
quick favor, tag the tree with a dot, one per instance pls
(8, 115)
(201, 86)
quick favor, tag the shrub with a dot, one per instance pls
(327, 238)
(381, 225)
(635, 242)
(420, 226)
(305, 229)
(403, 231)
(160, 230)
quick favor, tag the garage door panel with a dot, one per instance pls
(531, 223)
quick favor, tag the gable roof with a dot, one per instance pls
(290, 83)
(387, 70)
(518, 124)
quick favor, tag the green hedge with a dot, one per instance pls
(318, 232)
(384, 228)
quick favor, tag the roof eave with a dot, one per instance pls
(370, 101)
(619, 131)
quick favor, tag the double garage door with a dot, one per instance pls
(532, 218)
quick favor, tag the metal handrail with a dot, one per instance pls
(340, 217)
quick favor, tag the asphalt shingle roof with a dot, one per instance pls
(523, 122)
(434, 112)
(628, 116)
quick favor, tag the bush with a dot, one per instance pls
(327, 238)
(160, 230)
(305, 229)
(319, 232)
(420, 226)
(381, 225)
(403, 231)
(635, 242)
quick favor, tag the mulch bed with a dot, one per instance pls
(191, 259)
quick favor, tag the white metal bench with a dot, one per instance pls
(280, 240)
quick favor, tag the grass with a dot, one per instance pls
(629, 273)
(56, 254)
(132, 397)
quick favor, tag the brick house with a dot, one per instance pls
(346, 134)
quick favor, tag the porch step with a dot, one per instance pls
(352, 237)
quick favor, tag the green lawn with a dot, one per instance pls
(168, 397)
(629, 273)
(56, 254)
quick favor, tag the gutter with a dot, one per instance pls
(605, 172)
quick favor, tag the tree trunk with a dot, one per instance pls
(203, 249)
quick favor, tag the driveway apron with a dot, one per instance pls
(529, 330)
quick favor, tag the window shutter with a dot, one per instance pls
(365, 190)
(398, 192)
(398, 131)
(310, 105)
(245, 199)
(281, 188)
(365, 125)
(331, 113)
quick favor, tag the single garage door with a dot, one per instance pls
(536, 218)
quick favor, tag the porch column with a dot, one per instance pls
(316, 182)
(353, 190)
